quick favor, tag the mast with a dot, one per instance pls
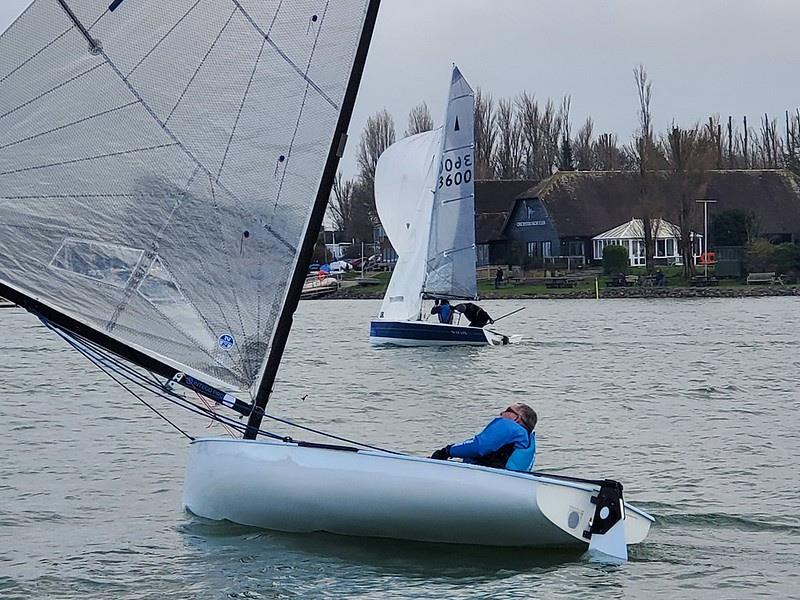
(295, 288)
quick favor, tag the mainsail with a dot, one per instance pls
(451, 252)
(162, 165)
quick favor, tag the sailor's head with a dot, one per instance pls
(522, 414)
(445, 301)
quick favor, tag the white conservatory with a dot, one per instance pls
(630, 235)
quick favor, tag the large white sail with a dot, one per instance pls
(159, 161)
(451, 252)
(404, 180)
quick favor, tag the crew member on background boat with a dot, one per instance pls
(507, 442)
(476, 316)
(444, 310)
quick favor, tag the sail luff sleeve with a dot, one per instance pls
(295, 288)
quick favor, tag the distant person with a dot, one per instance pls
(507, 442)
(444, 310)
(498, 278)
(476, 316)
(660, 279)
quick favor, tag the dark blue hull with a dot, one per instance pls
(421, 333)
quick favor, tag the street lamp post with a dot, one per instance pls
(705, 202)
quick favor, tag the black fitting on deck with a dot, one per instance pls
(609, 497)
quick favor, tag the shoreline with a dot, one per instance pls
(354, 293)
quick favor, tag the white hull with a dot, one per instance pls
(286, 487)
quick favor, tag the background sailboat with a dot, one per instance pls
(425, 196)
(164, 171)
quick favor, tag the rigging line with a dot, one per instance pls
(454, 149)
(300, 113)
(241, 108)
(210, 408)
(119, 383)
(73, 123)
(87, 159)
(52, 89)
(165, 36)
(283, 55)
(330, 435)
(199, 66)
(155, 388)
(33, 56)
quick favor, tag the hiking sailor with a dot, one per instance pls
(476, 316)
(507, 442)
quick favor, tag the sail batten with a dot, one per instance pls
(162, 187)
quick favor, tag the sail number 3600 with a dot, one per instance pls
(455, 171)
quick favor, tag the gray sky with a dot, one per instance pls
(729, 57)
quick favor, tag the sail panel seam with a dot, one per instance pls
(36, 54)
(67, 125)
(241, 108)
(299, 114)
(51, 90)
(86, 159)
(285, 57)
(164, 37)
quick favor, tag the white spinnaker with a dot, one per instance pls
(158, 188)
(451, 256)
(404, 180)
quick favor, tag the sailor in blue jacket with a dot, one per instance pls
(507, 442)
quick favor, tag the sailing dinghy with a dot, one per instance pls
(164, 171)
(425, 196)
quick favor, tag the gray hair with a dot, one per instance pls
(527, 415)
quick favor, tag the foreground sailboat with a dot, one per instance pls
(425, 196)
(164, 171)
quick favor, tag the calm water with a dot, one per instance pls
(692, 404)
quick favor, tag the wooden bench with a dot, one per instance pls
(703, 281)
(763, 278)
(560, 282)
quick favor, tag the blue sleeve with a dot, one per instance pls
(495, 435)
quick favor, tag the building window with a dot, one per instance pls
(533, 248)
(661, 247)
(547, 248)
(575, 248)
(671, 247)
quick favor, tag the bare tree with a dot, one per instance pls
(690, 154)
(419, 120)
(608, 155)
(566, 156)
(644, 152)
(528, 116)
(550, 126)
(509, 142)
(485, 135)
(769, 143)
(583, 147)
(377, 136)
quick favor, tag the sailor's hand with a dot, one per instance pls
(441, 453)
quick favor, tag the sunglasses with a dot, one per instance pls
(512, 411)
